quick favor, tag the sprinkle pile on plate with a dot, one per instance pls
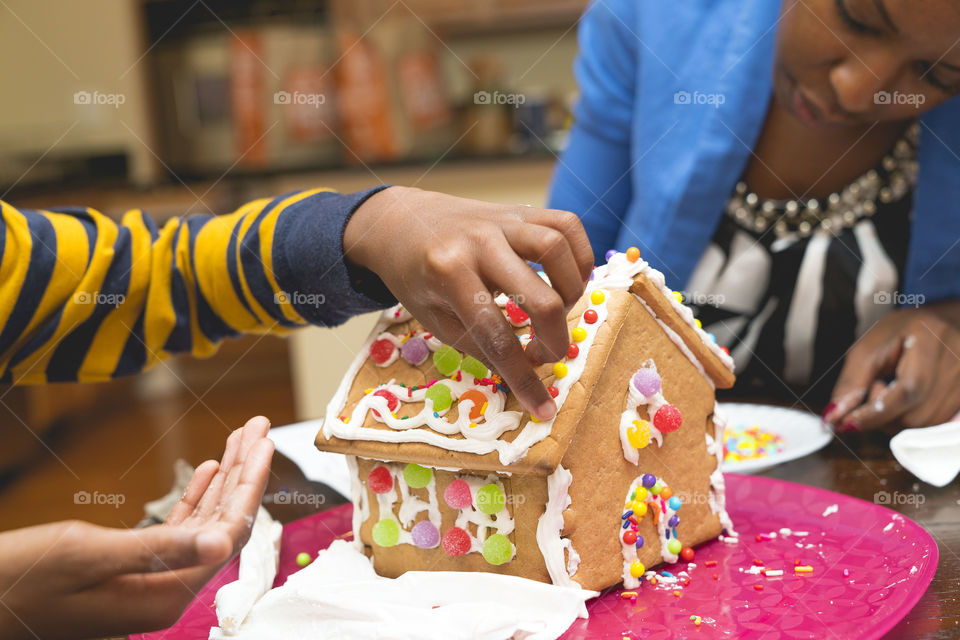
(742, 442)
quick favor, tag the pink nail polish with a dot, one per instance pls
(849, 426)
(826, 412)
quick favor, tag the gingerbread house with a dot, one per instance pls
(449, 473)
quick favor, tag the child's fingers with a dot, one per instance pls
(570, 226)
(240, 505)
(497, 341)
(202, 476)
(211, 497)
(550, 248)
(548, 313)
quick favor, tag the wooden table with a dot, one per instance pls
(860, 466)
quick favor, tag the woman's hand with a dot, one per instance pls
(920, 350)
(74, 579)
(445, 258)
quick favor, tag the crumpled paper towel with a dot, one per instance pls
(931, 453)
(340, 596)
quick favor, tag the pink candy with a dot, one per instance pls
(457, 495)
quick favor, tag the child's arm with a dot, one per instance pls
(592, 177)
(83, 298)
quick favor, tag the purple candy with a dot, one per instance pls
(415, 351)
(611, 253)
(648, 480)
(639, 542)
(646, 381)
(425, 535)
(674, 521)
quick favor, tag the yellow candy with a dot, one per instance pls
(678, 296)
(560, 369)
(637, 569)
(597, 297)
(639, 509)
(698, 323)
(641, 493)
(639, 434)
(579, 334)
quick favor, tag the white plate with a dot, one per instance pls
(802, 433)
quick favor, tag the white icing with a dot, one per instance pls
(634, 400)
(484, 523)
(358, 496)
(258, 568)
(340, 596)
(480, 439)
(678, 341)
(549, 526)
(717, 496)
(410, 506)
(630, 550)
(619, 273)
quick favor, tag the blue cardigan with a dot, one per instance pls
(643, 168)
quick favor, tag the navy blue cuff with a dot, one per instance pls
(310, 266)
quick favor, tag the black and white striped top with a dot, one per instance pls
(789, 300)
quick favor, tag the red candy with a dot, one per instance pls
(457, 495)
(515, 313)
(380, 480)
(456, 542)
(590, 316)
(382, 350)
(686, 554)
(667, 418)
(553, 391)
(629, 537)
(573, 351)
(392, 401)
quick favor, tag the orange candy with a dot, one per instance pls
(478, 400)
(665, 493)
(633, 254)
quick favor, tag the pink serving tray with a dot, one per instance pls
(890, 560)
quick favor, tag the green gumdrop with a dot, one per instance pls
(497, 549)
(490, 499)
(386, 533)
(417, 477)
(446, 359)
(439, 394)
(674, 546)
(657, 488)
(474, 367)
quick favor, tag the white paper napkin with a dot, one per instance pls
(932, 453)
(296, 442)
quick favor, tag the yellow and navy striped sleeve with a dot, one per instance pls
(83, 298)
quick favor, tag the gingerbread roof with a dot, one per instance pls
(407, 397)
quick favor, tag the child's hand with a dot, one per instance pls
(76, 580)
(920, 349)
(445, 257)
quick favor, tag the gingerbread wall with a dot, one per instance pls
(601, 475)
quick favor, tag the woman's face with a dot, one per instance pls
(855, 62)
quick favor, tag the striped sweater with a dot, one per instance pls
(83, 298)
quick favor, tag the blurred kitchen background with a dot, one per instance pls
(186, 107)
